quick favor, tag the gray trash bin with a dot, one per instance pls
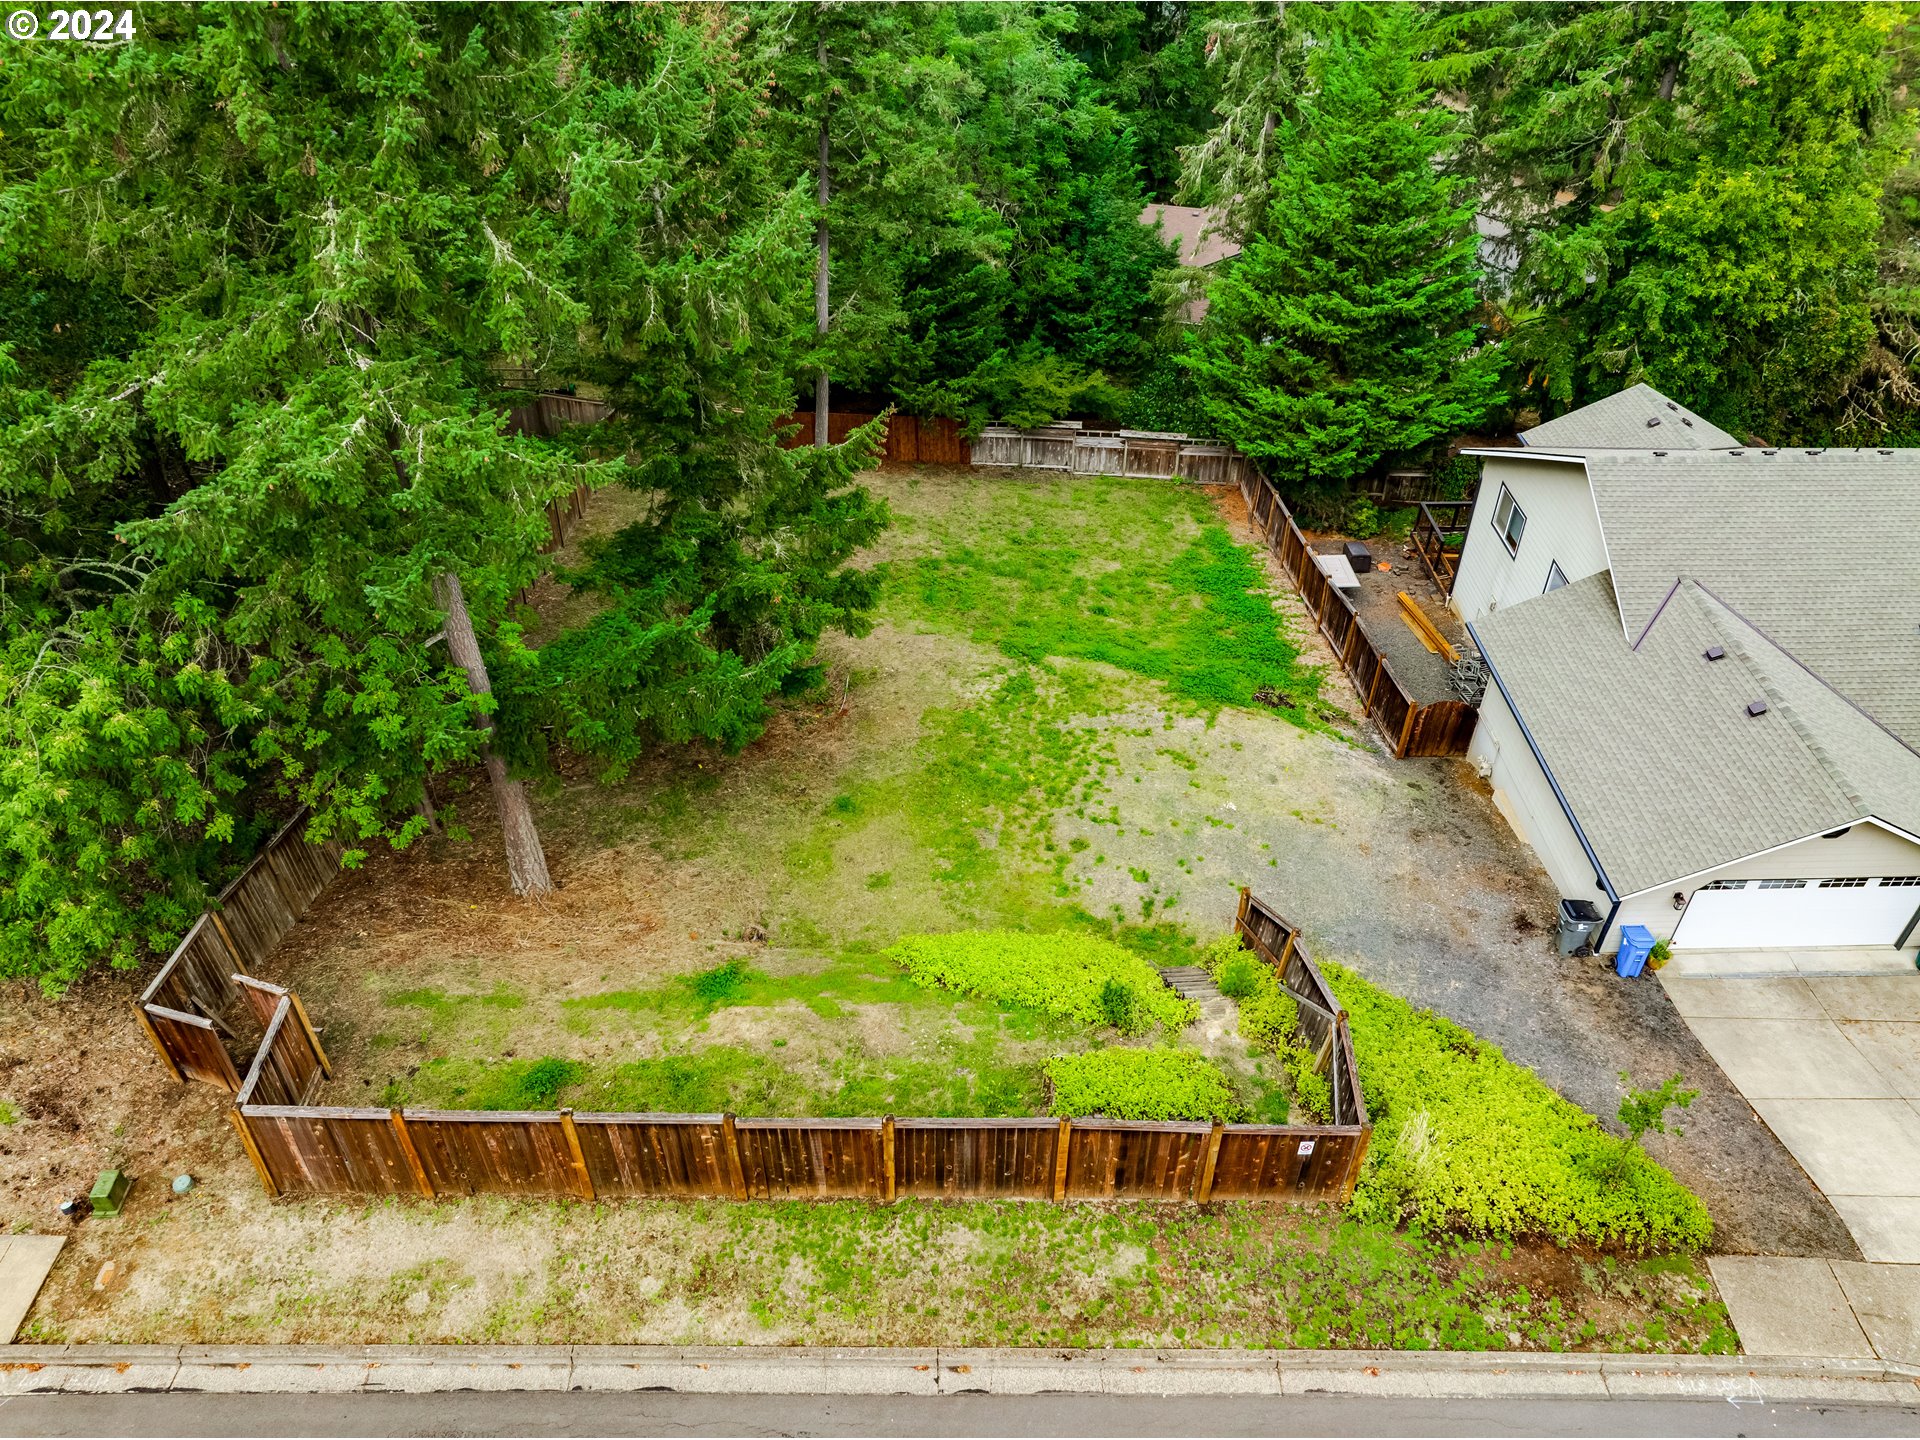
(1578, 921)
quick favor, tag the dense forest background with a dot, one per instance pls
(272, 277)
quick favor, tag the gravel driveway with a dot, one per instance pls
(1404, 870)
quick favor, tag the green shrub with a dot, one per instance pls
(1117, 1005)
(1465, 1138)
(1161, 1083)
(1312, 1091)
(1241, 974)
(1062, 974)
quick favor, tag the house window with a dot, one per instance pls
(1849, 883)
(1725, 885)
(1556, 577)
(1510, 520)
(1887, 882)
(1783, 884)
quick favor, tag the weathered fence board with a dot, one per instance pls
(1135, 1159)
(193, 1045)
(484, 1152)
(795, 1159)
(325, 1150)
(655, 1154)
(910, 439)
(955, 1158)
(196, 973)
(1283, 1161)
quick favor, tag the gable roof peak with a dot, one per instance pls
(1636, 418)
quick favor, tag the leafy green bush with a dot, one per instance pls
(1312, 1091)
(1465, 1138)
(1161, 1083)
(516, 1085)
(1060, 974)
(1117, 1005)
(1240, 975)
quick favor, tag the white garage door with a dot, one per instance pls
(1783, 914)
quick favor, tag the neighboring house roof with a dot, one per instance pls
(1193, 229)
(1653, 748)
(1619, 422)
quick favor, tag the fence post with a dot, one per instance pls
(1060, 1161)
(736, 1172)
(886, 1157)
(1353, 1165)
(226, 937)
(412, 1155)
(239, 1123)
(313, 1036)
(1286, 950)
(1406, 731)
(1205, 1192)
(583, 1179)
(140, 1012)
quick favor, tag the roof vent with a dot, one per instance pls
(1653, 422)
(1886, 452)
(1757, 708)
(1672, 406)
(1716, 652)
(1736, 452)
(1769, 452)
(1686, 422)
(1814, 452)
(1659, 452)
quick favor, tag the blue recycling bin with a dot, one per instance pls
(1636, 943)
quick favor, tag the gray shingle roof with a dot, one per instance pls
(1820, 552)
(1654, 748)
(1619, 422)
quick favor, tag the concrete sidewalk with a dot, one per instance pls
(1839, 1309)
(298, 1369)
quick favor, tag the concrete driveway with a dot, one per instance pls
(1832, 1064)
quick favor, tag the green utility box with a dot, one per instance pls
(110, 1192)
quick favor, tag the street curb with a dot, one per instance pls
(811, 1370)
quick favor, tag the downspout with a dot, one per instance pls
(1599, 870)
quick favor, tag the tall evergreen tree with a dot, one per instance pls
(1345, 333)
(1693, 192)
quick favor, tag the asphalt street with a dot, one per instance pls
(661, 1413)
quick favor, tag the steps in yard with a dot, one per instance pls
(1190, 982)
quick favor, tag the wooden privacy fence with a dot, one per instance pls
(302, 1149)
(1137, 454)
(202, 1001)
(1442, 728)
(909, 440)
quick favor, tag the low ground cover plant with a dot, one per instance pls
(1124, 1083)
(1465, 1138)
(1081, 978)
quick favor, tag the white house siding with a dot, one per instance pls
(1562, 526)
(1866, 849)
(1524, 797)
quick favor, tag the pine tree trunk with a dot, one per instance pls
(820, 273)
(526, 860)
